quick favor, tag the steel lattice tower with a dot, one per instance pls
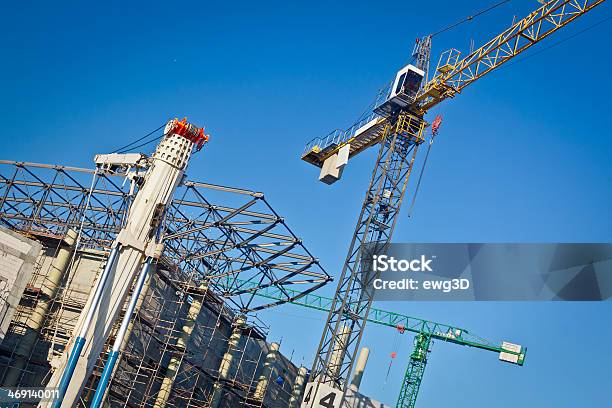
(353, 298)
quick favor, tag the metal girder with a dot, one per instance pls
(401, 322)
(213, 234)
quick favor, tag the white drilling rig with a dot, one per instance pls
(135, 249)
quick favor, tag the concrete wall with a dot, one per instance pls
(18, 255)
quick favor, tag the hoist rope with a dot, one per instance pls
(470, 18)
(123, 149)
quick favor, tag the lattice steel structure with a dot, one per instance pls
(222, 246)
(240, 235)
(353, 299)
(455, 73)
(414, 372)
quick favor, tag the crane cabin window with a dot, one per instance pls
(400, 83)
(412, 82)
(407, 83)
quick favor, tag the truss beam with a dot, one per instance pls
(213, 233)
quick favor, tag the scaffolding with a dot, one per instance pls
(222, 246)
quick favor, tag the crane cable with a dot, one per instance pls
(470, 18)
(130, 147)
(458, 23)
(434, 131)
(393, 355)
(144, 144)
(124, 149)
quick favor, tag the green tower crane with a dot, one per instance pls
(425, 333)
(414, 372)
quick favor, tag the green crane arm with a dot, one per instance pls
(401, 322)
(425, 331)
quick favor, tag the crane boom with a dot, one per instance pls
(438, 331)
(454, 74)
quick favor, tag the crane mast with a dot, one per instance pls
(378, 217)
(414, 373)
(399, 130)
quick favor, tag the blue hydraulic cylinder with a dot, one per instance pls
(114, 354)
(79, 342)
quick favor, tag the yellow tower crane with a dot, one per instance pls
(396, 124)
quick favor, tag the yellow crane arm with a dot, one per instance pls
(454, 74)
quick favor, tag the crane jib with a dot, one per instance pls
(452, 75)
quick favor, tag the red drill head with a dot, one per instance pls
(188, 131)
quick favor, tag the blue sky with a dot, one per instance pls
(522, 155)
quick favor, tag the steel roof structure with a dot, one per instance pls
(228, 239)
